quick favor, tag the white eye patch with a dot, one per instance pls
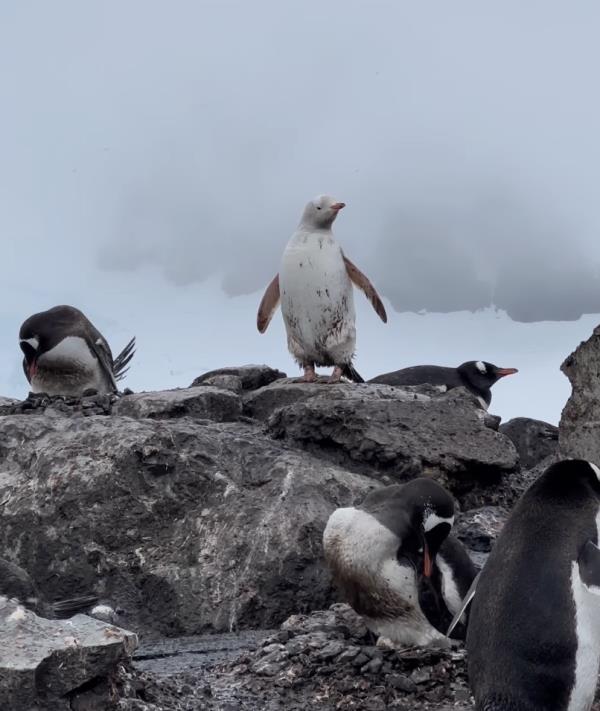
(481, 367)
(432, 520)
(33, 342)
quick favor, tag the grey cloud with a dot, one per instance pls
(188, 137)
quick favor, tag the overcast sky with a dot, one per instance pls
(155, 158)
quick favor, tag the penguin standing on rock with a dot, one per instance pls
(381, 552)
(533, 639)
(477, 376)
(64, 354)
(314, 286)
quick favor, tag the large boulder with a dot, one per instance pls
(193, 517)
(579, 428)
(534, 439)
(189, 525)
(43, 663)
(393, 434)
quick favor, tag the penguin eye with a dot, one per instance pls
(318, 208)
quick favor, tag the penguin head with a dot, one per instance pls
(320, 212)
(481, 375)
(43, 331)
(432, 516)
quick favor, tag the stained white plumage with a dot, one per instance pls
(314, 286)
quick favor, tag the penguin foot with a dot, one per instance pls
(309, 375)
(336, 376)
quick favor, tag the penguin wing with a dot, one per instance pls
(268, 304)
(102, 351)
(465, 603)
(589, 565)
(362, 282)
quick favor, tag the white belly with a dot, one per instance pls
(317, 300)
(68, 369)
(362, 553)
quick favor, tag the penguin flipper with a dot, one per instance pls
(589, 566)
(465, 603)
(67, 608)
(363, 283)
(102, 352)
(268, 304)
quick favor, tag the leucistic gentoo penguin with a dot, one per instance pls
(66, 355)
(382, 552)
(478, 376)
(314, 286)
(533, 639)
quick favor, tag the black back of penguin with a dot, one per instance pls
(522, 636)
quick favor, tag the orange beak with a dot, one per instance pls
(427, 562)
(338, 206)
(501, 372)
(32, 368)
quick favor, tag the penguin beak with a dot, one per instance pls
(32, 368)
(338, 206)
(501, 372)
(427, 561)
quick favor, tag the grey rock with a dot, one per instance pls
(7, 401)
(534, 439)
(43, 662)
(579, 428)
(252, 376)
(479, 528)
(188, 525)
(402, 682)
(372, 667)
(378, 431)
(225, 382)
(202, 402)
(330, 650)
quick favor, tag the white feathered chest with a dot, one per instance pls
(317, 299)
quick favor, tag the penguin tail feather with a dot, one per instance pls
(121, 362)
(67, 608)
(351, 373)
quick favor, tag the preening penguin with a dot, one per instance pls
(314, 286)
(64, 354)
(533, 639)
(379, 551)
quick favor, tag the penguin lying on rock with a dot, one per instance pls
(533, 640)
(475, 375)
(394, 560)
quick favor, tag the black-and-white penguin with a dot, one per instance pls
(533, 638)
(382, 552)
(66, 355)
(478, 376)
(16, 584)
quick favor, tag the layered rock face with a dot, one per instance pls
(202, 509)
(579, 430)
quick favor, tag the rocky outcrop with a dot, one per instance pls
(44, 663)
(534, 439)
(579, 429)
(202, 509)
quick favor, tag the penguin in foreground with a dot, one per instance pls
(66, 355)
(314, 286)
(533, 639)
(394, 560)
(478, 376)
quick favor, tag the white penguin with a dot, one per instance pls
(314, 286)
